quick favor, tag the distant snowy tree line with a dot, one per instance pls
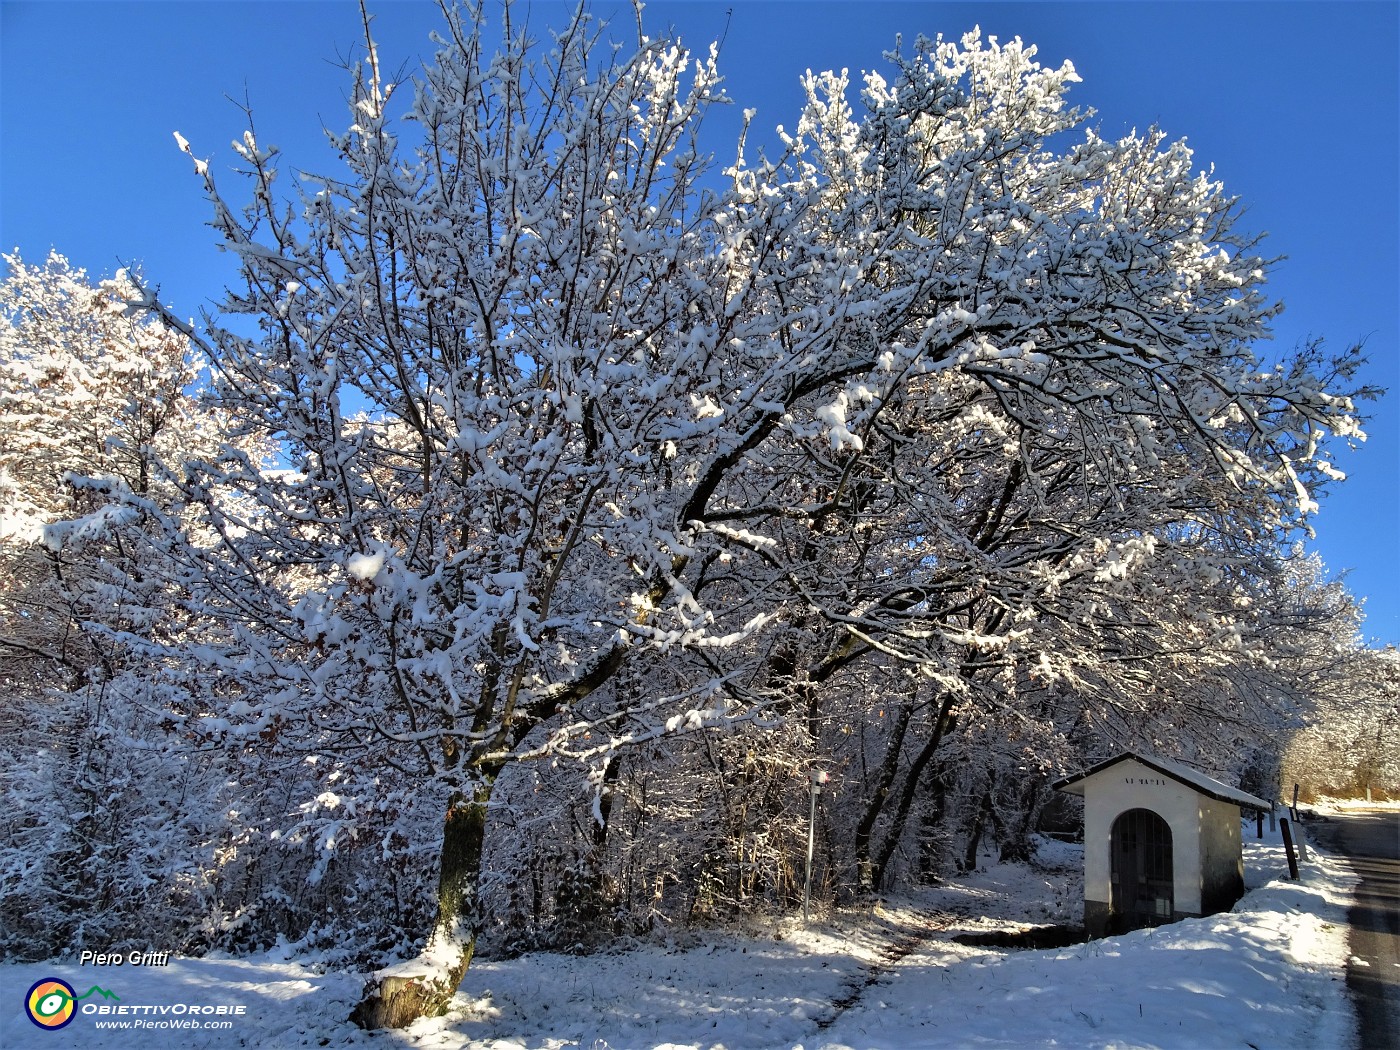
(544, 505)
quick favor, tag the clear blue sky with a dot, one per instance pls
(1294, 103)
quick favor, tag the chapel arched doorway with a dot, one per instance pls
(1141, 847)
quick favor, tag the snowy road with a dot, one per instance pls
(1371, 843)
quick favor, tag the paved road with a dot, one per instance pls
(1371, 843)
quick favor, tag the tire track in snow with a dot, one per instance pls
(890, 956)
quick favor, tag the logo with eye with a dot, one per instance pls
(50, 1003)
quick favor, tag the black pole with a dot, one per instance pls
(1288, 848)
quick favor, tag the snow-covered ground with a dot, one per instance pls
(1354, 805)
(1270, 974)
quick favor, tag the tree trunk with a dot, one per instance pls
(884, 779)
(974, 839)
(1016, 841)
(930, 855)
(398, 996)
(941, 726)
(585, 902)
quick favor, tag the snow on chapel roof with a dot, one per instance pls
(1192, 778)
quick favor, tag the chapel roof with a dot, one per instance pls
(1192, 778)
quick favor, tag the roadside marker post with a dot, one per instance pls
(818, 777)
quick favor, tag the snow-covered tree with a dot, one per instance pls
(84, 391)
(584, 447)
(1344, 743)
(106, 810)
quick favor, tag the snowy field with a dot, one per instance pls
(1270, 974)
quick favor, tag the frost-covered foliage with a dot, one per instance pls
(1347, 748)
(1349, 751)
(934, 450)
(106, 818)
(84, 391)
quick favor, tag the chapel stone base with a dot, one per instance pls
(1099, 919)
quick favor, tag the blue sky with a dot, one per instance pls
(1294, 103)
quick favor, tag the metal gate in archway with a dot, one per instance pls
(1141, 847)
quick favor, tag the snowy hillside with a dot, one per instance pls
(1269, 974)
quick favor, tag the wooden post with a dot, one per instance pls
(1259, 823)
(1294, 807)
(1273, 816)
(1288, 848)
